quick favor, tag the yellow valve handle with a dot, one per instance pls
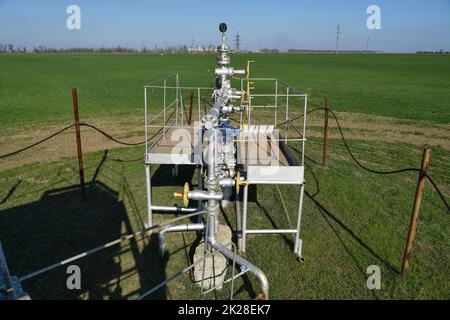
(239, 182)
(183, 194)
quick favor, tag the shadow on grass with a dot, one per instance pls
(164, 177)
(64, 223)
(327, 214)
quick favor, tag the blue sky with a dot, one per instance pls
(407, 26)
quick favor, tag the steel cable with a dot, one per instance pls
(358, 162)
(36, 143)
(105, 134)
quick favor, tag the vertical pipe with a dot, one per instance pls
(149, 195)
(78, 138)
(165, 105)
(4, 272)
(191, 105)
(305, 115)
(199, 107)
(244, 219)
(276, 102)
(287, 115)
(200, 187)
(325, 133)
(238, 218)
(242, 103)
(416, 210)
(298, 245)
(146, 119)
(176, 99)
(249, 111)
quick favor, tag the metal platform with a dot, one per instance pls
(266, 158)
(177, 146)
(263, 155)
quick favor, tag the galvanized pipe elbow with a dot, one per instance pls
(263, 280)
(177, 228)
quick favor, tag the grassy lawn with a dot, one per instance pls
(352, 219)
(363, 222)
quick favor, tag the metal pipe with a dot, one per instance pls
(305, 116)
(228, 281)
(149, 195)
(276, 102)
(174, 276)
(287, 115)
(4, 272)
(200, 187)
(298, 241)
(205, 195)
(165, 105)
(199, 105)
(242, 262)
(146, 119)
(175, 209)
(177, 228)
(143, 233)
(238, 219)
(244, 219)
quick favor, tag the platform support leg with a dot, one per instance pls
(298, 241)
(149, 195)
(244, 220)
(175, 171)
(200, 187)
(237, 204)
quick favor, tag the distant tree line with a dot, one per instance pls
(4, 48)
(442, 51)
(272, 51)
(10, 48)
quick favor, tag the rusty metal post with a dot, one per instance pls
(78, 138)
(191, 105)
(325, 134)
(416, 210)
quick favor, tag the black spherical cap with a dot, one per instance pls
(223, 27)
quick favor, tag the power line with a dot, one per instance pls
(238, 41)
(338, 33)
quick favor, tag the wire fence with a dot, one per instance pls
(290, 121)
(159, 226)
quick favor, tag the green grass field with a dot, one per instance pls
(36, 88)
(364, 219)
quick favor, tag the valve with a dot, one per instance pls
(239, 182)
(183, 194)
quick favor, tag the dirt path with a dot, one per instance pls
(130, 129)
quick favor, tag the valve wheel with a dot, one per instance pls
(183, 195)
